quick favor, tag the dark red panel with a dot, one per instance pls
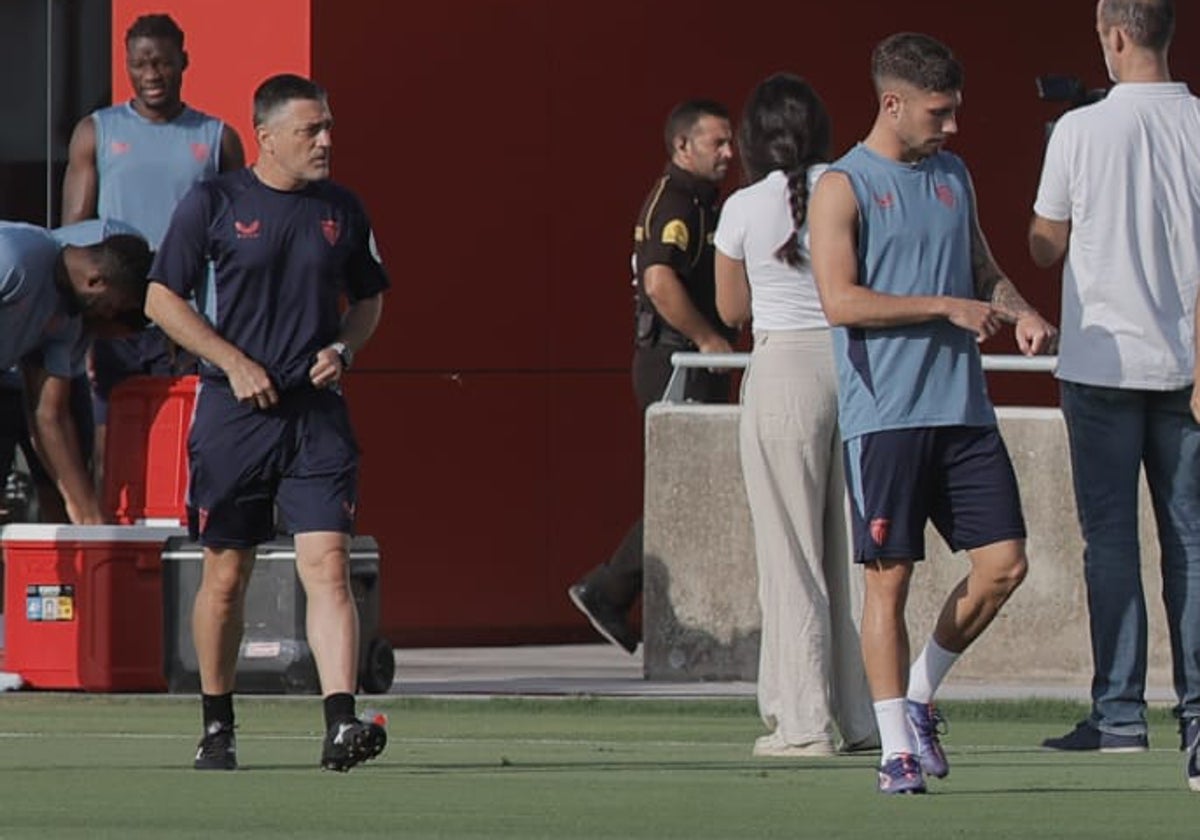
(604, 153)
(594, 447)
(490, 494)
(454, 488)
(442, 128)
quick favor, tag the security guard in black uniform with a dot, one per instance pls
(675, 310)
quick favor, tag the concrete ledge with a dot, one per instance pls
(701, 608)
(700, 604)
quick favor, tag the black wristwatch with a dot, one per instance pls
(344, 353)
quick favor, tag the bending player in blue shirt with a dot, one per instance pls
(271, 428)
(56, 289)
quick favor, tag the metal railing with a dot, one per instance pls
(738, 361)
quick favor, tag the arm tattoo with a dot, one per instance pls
(991, 284)
(1008, 302)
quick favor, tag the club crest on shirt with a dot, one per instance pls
(675, 233)
(331, 229)
(200, 151)
(119, 148)
(945, 195)
(247, 230)
(879, 530)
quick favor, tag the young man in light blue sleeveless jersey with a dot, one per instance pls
(905, 274)
(132, 162)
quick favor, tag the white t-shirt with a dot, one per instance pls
(754, 222)
(1126, 173)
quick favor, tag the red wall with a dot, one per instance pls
(503, 148)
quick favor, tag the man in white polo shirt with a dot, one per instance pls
(1120, 197)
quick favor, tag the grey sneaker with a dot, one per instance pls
(1087, 738)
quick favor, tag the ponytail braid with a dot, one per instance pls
(789, 252)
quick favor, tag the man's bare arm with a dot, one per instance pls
(81, 183)
(733, 290)
(670, 299)
(991, 284)
(358, 325)
(184, 326)
(1034, 334)
(233, 156)
(1048, 241)
(57, 441)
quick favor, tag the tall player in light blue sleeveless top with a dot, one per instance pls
(133, 162)
(905, 274)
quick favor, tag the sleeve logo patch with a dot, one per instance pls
(675, 233)
(373, 247)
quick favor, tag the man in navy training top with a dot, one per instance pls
(57, 289)
(133, 162)
(906, 275)
(271, 426)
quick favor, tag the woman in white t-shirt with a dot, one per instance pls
(810, 674)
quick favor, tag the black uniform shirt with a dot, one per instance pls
(675, 228)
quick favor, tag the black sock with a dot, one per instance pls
(338, 708)
(218, 708)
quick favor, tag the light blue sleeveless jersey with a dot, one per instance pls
(145, 167)
(914, 238)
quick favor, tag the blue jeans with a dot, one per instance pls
(1114, 431)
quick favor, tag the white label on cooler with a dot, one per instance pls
(261, 650)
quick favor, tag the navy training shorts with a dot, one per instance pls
(300, 456)
(958, 477)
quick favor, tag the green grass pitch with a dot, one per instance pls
(88, 766)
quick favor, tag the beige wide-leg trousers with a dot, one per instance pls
(810, 673)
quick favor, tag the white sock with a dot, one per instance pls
(929, 670)
(895, 735)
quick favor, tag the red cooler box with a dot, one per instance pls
(145, 448)
(83, 605)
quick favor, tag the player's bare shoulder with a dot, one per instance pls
(833, 200)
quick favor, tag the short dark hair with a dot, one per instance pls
(124, 261)
(685, 115)
(1150, 24)
(917, 59)
(281, 89)
(156, 26)
(785, 126)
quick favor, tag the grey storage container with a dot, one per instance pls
(274, 657)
